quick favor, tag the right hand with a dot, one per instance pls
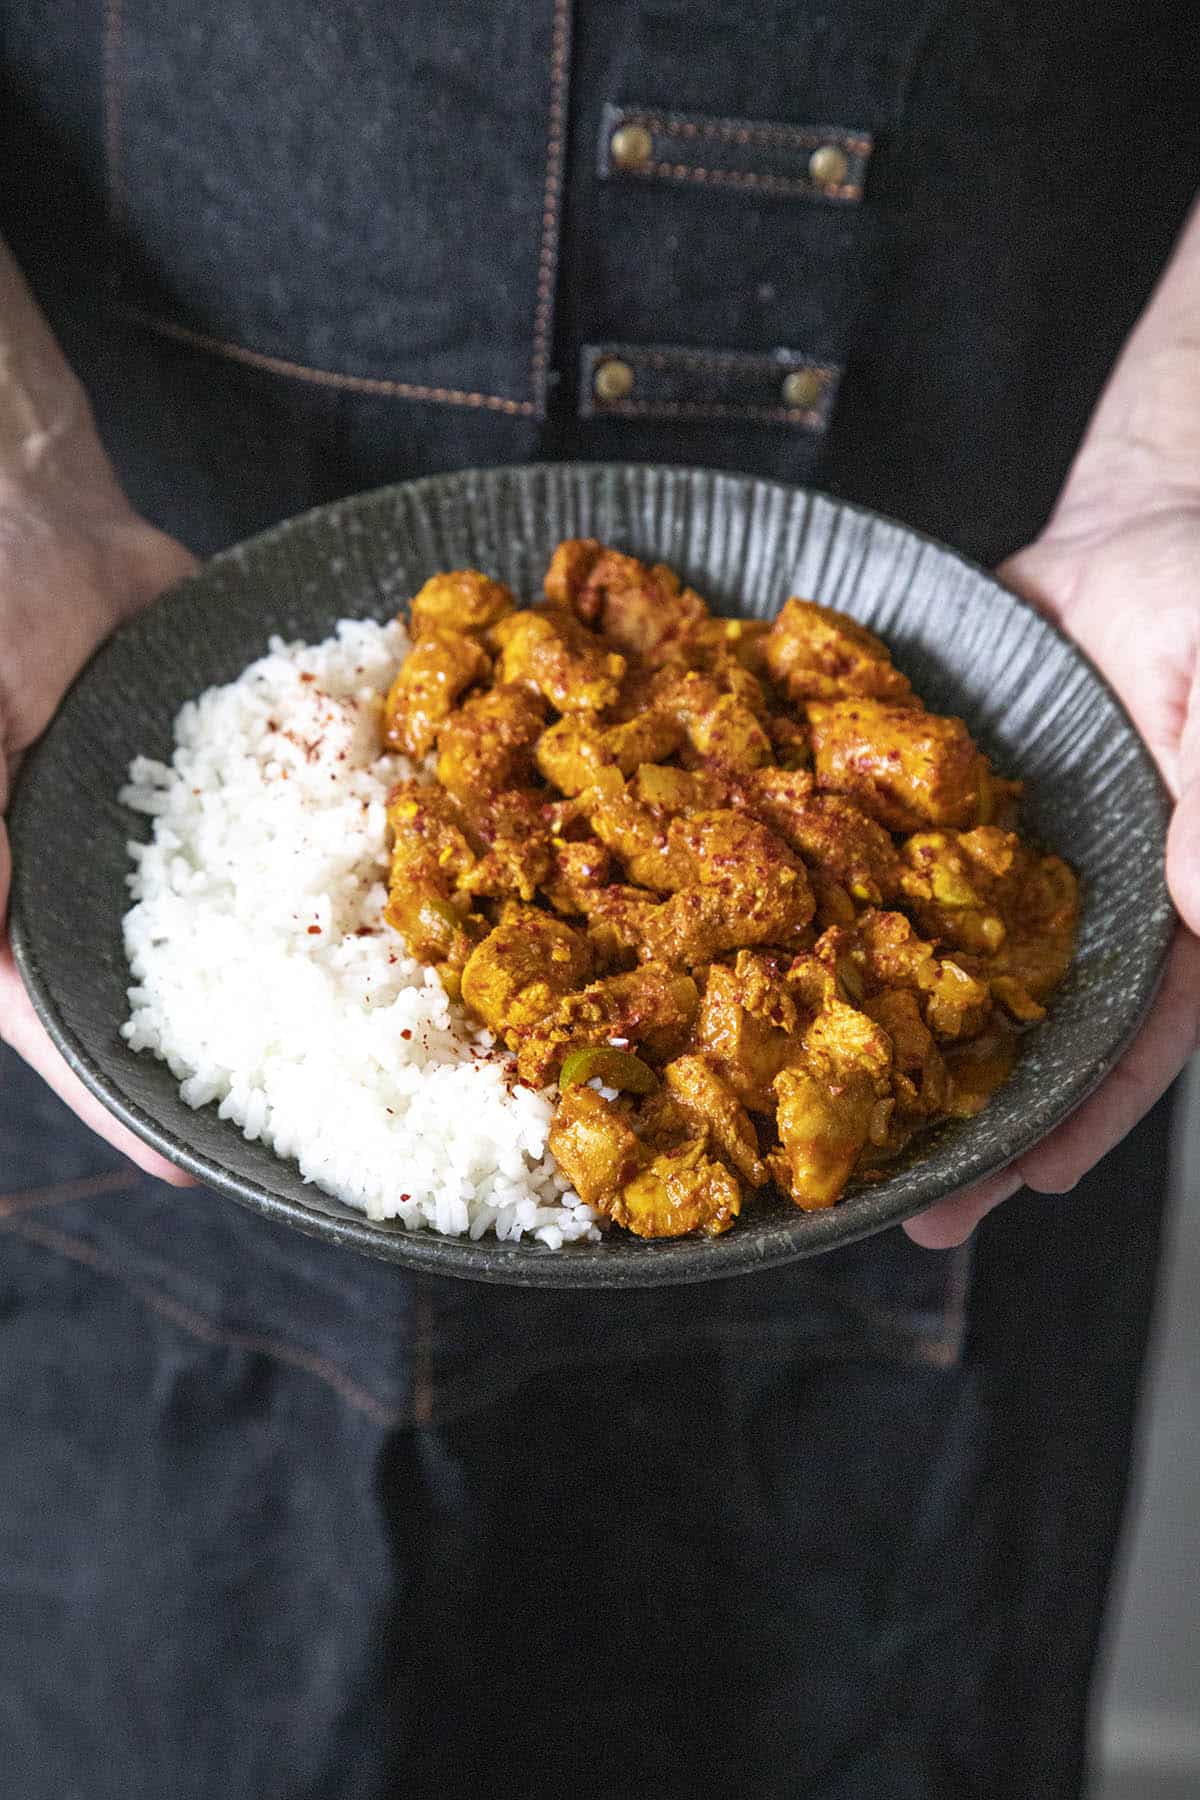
(68, 577)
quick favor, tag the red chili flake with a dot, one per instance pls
(405, 1197)
(406, 1034)
(391, 959)
(314, 931)
(305, 676)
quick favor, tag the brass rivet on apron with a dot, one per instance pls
(631, 147)
(828, 166)
(613, 379)
(802, 388)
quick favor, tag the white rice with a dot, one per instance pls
(268, 982)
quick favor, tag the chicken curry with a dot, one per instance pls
(760, 915)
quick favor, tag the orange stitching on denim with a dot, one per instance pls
(207, 1330)
(719, 359)
(356, 384)
(699, 409)
(551, 198)
(789, 185)
(801, 137)
(60, 1192)
(113, 27)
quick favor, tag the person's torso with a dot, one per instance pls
(298, 250)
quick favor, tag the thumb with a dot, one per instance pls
(1183, 855)
(23, 1030)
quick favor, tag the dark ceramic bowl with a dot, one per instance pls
(970, 647)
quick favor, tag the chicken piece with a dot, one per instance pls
(747, 1027)
(666, 790)
(774, 794)
(460, 600)
(748, 889)
(956, 1002)
(951, 884)
(617, 916)
(729, 735)
(549, 649)
(741, 857)
(823, 1130)
(834, 969)
(580, 871)
(826, 1107)
(893, 954)
(572, 752)
(723, 654)
(639, 693)
(914, 1052)
(641, 838)
(814, 653)
(650, 1010)
(645, 739)
(714, 1111)
(841, 1042)
(639, 822)
(572, 563)
(1040, 903)
(521, 970)
(907, 769)
(954, 999)
(716, 641)
(644, 610)
(431, 854)
(438, 668)
(734, 679)
(721, 728)
(430, 835)
(594, 1145)
(832, 835)
(517, 855)
(486, 747)
(682, 1191)
(790, 744)
(833, 903)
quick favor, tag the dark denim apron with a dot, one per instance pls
(279, 1522)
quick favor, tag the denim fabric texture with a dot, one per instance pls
(277, 1523)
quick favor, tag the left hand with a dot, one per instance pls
(1118, 569)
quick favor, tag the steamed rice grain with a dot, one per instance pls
(268, 982)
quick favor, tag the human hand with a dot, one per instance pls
(75, 561)
(65, 584)
(1118, 569)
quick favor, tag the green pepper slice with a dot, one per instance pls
(615, 1068)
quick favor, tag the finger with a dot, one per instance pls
(1183, 855)
(25, 1032)
(951, 1221)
